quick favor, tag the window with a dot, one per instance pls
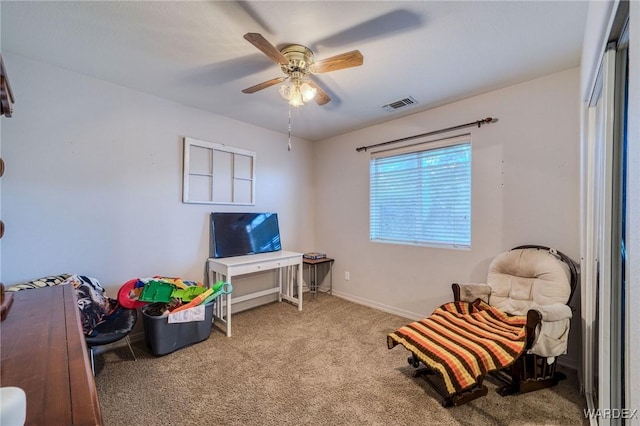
(217, 174)
(421, 194)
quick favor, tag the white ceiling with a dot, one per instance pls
(194, 53)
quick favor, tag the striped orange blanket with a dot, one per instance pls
(464, 341)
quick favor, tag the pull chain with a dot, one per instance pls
(289, 144)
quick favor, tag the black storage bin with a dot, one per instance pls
(164, 338)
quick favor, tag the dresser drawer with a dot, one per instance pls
(257, 267)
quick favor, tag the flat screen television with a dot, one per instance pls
(238, 234)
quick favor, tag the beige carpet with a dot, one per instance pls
(326, 365)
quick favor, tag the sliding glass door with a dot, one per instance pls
(603, 245)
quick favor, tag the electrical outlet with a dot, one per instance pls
(347, 276)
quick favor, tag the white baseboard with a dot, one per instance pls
(380, 306)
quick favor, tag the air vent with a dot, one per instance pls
(396, 105)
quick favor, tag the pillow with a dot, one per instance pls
(40, 282)
(93, 303)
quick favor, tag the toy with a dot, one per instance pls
(187, 294)
(178, 282)
(217, 286)
(129, 294)
(222, 288)
(157, 291)
(161, 289)
(195, 302)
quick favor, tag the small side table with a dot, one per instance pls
(313, 278)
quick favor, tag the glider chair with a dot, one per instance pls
(510, 329)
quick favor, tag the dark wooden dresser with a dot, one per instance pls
(43, 352)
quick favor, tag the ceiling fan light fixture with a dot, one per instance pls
(296, 99)
(287, 90)
(296, 62)
(297, 92)
(308, 92)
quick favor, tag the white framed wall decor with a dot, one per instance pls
(217, 174)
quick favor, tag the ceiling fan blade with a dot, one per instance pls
(321, 97)
(264, 85)
(267, 48)
(338, 62)
(391, 23)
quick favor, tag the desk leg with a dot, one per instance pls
(214, 277)
(330, 277)
(280, 284)
(290, 280)
(223, 300)
(218, 308)
(299, 278)
(228, 316)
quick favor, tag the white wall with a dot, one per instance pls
(93, 183)
(525, 191)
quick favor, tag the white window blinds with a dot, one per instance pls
(421, 194)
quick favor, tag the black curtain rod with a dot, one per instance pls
(478, 123)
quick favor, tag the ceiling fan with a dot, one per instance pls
(297, 63)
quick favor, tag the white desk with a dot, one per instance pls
(225, 268)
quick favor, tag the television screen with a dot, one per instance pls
(238, 234)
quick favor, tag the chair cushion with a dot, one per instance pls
(115, 326)
(93, 303)
(521, 278)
